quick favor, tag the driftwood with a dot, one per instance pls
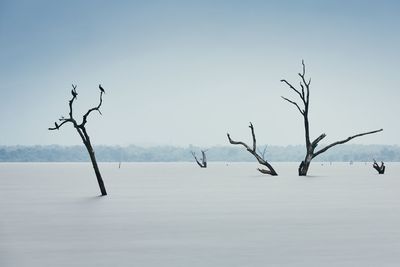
(81, 129)
(203, 161)
(379, 168)
(304, 94)
(253, 150)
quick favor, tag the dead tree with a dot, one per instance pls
(203, 161)
(81, 129)
(379, 168)
(253, 151)
(304, 93)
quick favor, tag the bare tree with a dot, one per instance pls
(379, 168)
(253, 150)
(203, 161)
(81, 129)
(304, 94)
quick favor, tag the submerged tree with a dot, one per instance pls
(81, 129)
(253, 151)
(379, 168)
(203, 160)
(304, 93)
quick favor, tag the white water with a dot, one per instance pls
(176, 214)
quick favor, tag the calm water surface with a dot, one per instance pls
(176, 214)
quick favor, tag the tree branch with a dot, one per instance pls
(71, 118)
(262, 152)
(58, 126)
(344, 141)
(71, 102)
(204, 157)
(84, 120)
(379, 169)
(306, 97)
(293, 88)
(317, 140)
(238, 143)
(254, 137)
(253, 151)
(294, 103)
(198, 162)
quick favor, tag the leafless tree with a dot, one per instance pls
(304, 93)
(253, 150)
(81, 129)
(379, 168)
(203, 161)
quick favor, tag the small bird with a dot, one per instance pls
(57, 126)
(102, 89)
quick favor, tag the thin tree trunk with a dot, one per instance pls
(96, 168)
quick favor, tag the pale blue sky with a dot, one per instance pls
(186, 72)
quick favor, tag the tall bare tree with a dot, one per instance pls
(304, 93)
(203, 161)
(81, 129)
(253, 150)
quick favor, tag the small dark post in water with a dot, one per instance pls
(81, 129)
(203, 161)
(380, 169)
(253, 150)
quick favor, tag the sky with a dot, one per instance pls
(187, 72)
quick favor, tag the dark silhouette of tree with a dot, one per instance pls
(81, 129)
(253, 151)
(379, 168)
(203, 161)
(304, 94)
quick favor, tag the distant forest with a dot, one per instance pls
(132, 153)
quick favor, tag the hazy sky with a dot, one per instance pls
(186, 72)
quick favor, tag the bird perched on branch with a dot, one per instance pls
(102, 89)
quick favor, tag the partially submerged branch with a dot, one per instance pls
(253, 150)
(203, 161)
(379, 168)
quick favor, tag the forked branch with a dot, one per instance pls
(253, 150)
(203, 161)
(97, 108)
(71, 118)
(380, 169)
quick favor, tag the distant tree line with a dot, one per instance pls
(133, 153)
